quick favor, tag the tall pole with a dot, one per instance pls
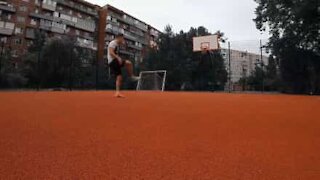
(97, 72)
(39, 73)
(71, 70)
(262, 64)
(96, 56)
(2, 49)
(229, 54)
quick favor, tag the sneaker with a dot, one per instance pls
(135, 78)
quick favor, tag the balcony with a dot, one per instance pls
(52, 26)
(136, 32)
(86, 25)
(135, 47)
(126, 52)
(130, 36)
(86, 43)
(51, 6)
(30, 33)
(142, 27)
(6, 28)
(126, 20)
(114, 30)
(41, 16)
(57, 30)
(78, 7)
(154, 33)
(7, 8)
(90, 38)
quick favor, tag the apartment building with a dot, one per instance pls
(242, 63)
(93, 26)
(137, 33)
(20, 19)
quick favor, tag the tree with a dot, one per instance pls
(272, 81)
(256, 79)
(11, 75)
(62, 63)
(294, 27)
(31, 63)
(184, 67)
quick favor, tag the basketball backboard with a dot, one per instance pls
(209, 42)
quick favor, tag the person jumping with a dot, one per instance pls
(116, 63)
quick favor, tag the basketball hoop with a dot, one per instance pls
(205, 43)
(205, 46)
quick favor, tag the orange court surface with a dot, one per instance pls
(154, 135)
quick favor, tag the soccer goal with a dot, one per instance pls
(152, 81)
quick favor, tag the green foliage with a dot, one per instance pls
(186, 69)
(294, 26)
(59, 62)
(257, 79)
(10, 74)
(263, 77)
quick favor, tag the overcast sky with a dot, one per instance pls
(233, 17)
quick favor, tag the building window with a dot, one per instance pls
(21, 19)
(18, 30)
(7, 25)
(56, 14)
(109, 26)
(33, 22)
(29, 43)
(23, 8)
(4, 39)
(86, 34)
(18, 41)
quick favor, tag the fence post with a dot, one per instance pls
(229, 54)
(262, 65)
(71, 70)
(39, 73)
(1, 57)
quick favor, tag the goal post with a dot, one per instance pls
(152, 80)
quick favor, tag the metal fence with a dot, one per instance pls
(243, 61)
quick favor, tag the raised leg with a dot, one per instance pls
(129, 68)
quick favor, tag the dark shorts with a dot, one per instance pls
(115, 67)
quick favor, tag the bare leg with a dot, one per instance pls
(129, 68)
(118, 86)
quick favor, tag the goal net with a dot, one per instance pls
(152, 81)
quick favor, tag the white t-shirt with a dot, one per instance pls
(114, 45)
